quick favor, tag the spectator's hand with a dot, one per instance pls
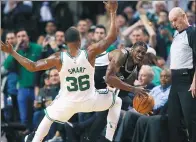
(139, 23)
(111, 6)
(53, 45)
(164, 32)
(36, 104)
(140, 91)
(45, 42)
(47, 103)
(193, 89)
(6, 47)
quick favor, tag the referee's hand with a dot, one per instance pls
(193, 89)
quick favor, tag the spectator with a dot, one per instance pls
(151, 60)
(17, 15)
(145, 78)
(161, 62)
(160, 93)
(26, 79)
(191, 18)
(128, 10)
(82, 27)
(50, 30)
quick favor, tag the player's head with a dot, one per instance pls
(72, 36)
(138, 52)
(99, 33)
(178, 19)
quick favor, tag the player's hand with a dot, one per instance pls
(6, 47)
(111, 6)
(193, 89)
(140, 91)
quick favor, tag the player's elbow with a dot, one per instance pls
(108, 79)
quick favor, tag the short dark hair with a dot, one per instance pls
(100, 27)
(72, 35)
(142, 28)
(165, 11)
(140, 43)
(21, 29)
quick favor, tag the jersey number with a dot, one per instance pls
(82, 83)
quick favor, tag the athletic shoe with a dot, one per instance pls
(29, 138)
(55, 139)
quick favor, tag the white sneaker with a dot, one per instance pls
(55, 139)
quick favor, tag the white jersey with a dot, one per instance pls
(102, 59)
(76, 77)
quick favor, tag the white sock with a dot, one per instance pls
(112, 119)
(42, 130)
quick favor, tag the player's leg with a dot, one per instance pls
(59, 111)
(114, 103)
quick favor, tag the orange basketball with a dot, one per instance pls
(143, 104)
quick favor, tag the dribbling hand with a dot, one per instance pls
(111, 6)
(140, 91)
(6, 47)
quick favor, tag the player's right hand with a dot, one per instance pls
(111, 6)
(6, 47)
(140, 91)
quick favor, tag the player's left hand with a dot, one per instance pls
(193, 89)
(111, 6)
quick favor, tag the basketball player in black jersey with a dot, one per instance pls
(121, 72)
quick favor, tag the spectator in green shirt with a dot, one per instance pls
(26, 79)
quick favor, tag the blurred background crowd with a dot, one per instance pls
(36, 30)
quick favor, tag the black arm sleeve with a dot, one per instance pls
(191, 33)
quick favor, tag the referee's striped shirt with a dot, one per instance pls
(183, 49)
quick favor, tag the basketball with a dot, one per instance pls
(143, 104)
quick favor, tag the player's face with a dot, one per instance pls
(138, 54)
(165, 78)
(99, 34)
(11, 38)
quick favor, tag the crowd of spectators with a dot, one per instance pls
(36, 30)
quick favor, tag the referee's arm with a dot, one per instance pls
(192, 43)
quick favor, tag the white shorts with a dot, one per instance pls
(61, 110)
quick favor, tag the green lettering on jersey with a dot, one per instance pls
(81, 83)
(76, 70)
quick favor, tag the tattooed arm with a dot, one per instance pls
(43, 64)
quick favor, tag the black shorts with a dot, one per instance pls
(100, 72)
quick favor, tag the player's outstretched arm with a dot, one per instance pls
(43, 64)
(101, 46)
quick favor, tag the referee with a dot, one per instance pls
(182, 97)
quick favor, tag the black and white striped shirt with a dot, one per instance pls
(183, 49)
